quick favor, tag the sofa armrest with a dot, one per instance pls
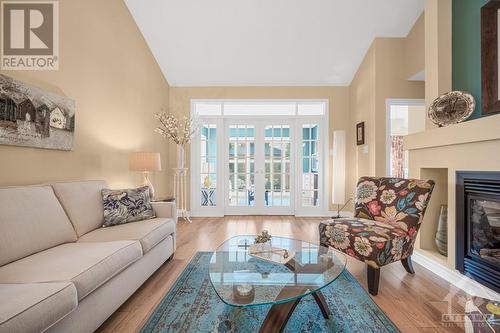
(165, 209)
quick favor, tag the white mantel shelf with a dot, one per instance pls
(482, 129)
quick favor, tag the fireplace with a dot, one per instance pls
(478, 226)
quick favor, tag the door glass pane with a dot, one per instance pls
(242, 170)
(208, 165)
(277, 166)
(310, 165)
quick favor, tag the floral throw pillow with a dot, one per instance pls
(123, 206)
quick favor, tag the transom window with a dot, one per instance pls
(257, 108)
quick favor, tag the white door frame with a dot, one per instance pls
(195, 205)
(388, 103)
(323, 176)
(296, 161)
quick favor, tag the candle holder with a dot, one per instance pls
(243, 293)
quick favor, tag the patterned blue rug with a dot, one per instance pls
(192, 306)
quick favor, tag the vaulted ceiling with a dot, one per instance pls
(267, 42)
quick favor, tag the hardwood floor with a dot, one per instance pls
(414, 303)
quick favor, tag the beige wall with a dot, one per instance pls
(107, 68)
(381, 76)
(414, 48)
(363, 101)
(437, 50)
(391, 82)
(417, 116)
(338, 98)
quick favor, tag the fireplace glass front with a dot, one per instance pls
(484, 226)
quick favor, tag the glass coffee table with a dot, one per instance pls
(242, 280)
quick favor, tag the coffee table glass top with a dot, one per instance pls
(243, 280)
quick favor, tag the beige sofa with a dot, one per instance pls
(60, 271)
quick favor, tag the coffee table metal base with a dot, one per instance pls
(279, 314)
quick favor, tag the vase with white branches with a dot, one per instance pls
(178, 131)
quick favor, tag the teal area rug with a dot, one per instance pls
(192, 306)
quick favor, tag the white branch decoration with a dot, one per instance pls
(179, 132)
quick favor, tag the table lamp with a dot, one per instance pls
(145, 163)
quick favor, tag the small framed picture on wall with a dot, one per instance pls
(360, 133)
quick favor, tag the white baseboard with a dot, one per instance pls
(205, 214)
(454, 277)
(297, 214)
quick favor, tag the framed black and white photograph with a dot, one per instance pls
(360, 133)
(32, 117)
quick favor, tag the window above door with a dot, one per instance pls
(254, 108)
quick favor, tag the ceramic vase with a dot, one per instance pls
(442, 231)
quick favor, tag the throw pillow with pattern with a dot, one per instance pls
(123, 206)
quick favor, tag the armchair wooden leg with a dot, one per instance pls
(373, 275)
(407, 264)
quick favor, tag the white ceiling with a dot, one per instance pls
(267, 42)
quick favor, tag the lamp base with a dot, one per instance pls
(147, 182)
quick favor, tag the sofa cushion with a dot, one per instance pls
(82, 201)
(148, 232)
(33, 308)
(87, 265)
(124, 206)
(31, 220)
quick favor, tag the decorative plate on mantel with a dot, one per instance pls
(451, 108)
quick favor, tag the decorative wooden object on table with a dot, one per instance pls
(270, 253)
(263, 249)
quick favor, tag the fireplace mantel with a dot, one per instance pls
(438, 154)
(477, 130)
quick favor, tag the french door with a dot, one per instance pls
(259, 157)
(259, 160)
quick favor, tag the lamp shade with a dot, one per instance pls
(143, 161)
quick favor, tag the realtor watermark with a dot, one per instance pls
(29, 35)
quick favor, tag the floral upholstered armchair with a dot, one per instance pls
(388, 214)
